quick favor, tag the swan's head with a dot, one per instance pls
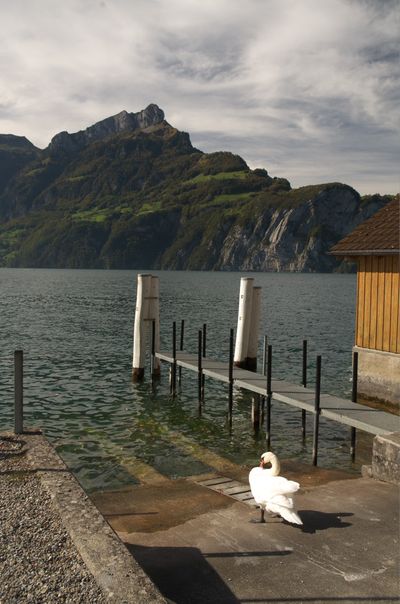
(272, 459)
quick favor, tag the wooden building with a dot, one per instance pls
(375, 246)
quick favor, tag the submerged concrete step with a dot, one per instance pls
(226, 486)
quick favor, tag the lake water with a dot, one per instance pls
(75, 328)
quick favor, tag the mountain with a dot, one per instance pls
(132, 192)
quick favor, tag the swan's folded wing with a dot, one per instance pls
(265, 487)
(278, 485)
(282, 500)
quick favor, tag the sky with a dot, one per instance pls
(307, 89)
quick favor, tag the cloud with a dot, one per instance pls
(309, 90)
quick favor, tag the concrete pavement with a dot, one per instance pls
(204, 548)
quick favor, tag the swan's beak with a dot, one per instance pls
(261, 463)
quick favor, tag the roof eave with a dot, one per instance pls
(364, 252)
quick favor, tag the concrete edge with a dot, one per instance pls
(114, 569)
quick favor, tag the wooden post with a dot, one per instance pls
(317, 404)
(230, 375)
(18, 391)
(252, 348)
(244, 320)
(139, 333)
(269, 397)
(304, 382)
(353, 433)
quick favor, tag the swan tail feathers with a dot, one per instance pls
(288, 514)
(291, 516)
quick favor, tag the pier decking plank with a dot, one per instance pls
(343, 411)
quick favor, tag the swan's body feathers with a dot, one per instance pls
(274, 493)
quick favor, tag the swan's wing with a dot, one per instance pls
(265, 487)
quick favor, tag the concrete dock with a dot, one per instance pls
(196, 541)
(201, 546)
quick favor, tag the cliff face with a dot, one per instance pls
(132, 192)
(299, 238)
(282, 239)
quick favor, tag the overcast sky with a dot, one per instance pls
(308, 89)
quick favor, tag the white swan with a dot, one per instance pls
(272, 492)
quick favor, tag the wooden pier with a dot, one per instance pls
(343, 411)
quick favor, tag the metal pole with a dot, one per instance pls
(255, 412)
(353, 434)
(200, 367)
(265, 354)
(269, 396)
(317, 405)
(304, 382)
(18, 391)
(230, 395)
(181, 349)
(173, 375)
(153, 347)
(203, 379)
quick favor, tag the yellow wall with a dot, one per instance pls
(378, 303)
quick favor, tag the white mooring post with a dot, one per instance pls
(252, 348)
(147, 309)
(247, 328)
(243, 325)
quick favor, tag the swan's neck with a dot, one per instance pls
(274, 469)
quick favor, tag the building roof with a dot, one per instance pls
(379, 235)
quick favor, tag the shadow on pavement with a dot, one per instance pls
(314, 521)
(183, 574)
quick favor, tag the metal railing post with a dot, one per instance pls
(353, 433)
(317, 408)
(304, 382)
(269, 397)
(18, 391)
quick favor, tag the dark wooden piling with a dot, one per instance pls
(304, 382)
(317, 411)
(18, 391)
(269, 398)
(353, 433)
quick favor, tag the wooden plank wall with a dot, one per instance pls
(378, 303)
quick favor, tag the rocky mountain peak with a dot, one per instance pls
(121, 122)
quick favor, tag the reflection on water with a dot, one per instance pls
(75, 327)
